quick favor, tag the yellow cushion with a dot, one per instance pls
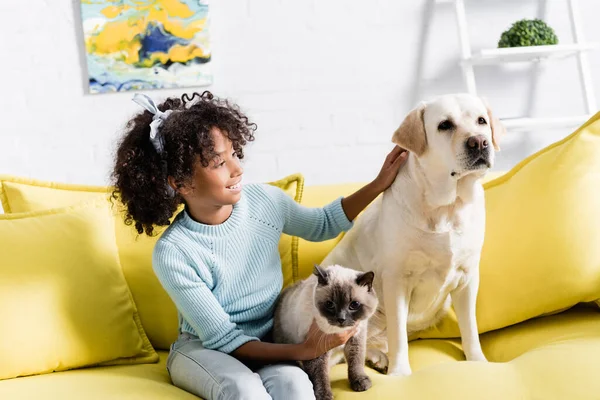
(311, 253)
(293, 185)
(22, 195)
(157, 311)
(64, 302)
(541, 253)
(547, 358)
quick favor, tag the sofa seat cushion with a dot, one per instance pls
(142, 381)
(553, 357)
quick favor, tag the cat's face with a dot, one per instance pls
(344, 297)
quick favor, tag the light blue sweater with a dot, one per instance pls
(225, 279)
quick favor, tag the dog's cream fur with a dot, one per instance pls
(423, 236)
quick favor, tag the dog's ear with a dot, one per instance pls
(410, 135)
(366, 279)
(498, 129)
(321, 274)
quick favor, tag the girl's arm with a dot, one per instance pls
(317, 224)
(359, 200)
(316, 344)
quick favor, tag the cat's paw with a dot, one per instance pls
(324, 395)
(377, 360)
(361, 383)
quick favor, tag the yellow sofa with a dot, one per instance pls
(553, 357)
(548, 352)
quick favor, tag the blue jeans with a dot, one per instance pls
(214, 375)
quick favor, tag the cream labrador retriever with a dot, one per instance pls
(423, 236)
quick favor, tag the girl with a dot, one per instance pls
(218, 260)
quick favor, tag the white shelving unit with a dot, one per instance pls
(524, 124)
(577, 49)
(523, 54)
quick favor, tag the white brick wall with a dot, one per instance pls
(327, 81)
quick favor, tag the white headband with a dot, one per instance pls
(159, 117)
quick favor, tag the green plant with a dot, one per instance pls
(528, 32)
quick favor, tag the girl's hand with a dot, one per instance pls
(394, 160)
(318, 343)
(357, 201)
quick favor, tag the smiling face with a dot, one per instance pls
(453, 134)
(219, 183)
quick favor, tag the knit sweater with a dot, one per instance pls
(225, 279)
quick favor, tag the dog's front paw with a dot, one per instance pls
(360, 383)
(476, 356)
(399, 370)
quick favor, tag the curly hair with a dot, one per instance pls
(140, 173)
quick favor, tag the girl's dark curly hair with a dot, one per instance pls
(140, 172)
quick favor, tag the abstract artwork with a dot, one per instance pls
(146, 44)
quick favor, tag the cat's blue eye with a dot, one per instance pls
(355, 305)
(329, 305)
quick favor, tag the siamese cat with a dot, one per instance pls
(338, 298)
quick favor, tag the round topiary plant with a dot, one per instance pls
(528, 32)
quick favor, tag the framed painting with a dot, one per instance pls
(146, 44)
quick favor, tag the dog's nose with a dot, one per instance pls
(478, 142)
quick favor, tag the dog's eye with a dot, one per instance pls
(329, 305)
(355, 305)
(446, 125)
(482, 121)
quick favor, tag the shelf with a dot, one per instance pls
(523, 124)
(529, 53)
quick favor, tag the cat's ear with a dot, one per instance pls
(366, 279)
(321, 274)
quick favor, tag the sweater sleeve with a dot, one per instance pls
(195, 301)
(313, 224)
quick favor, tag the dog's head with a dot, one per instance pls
(455, 133)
